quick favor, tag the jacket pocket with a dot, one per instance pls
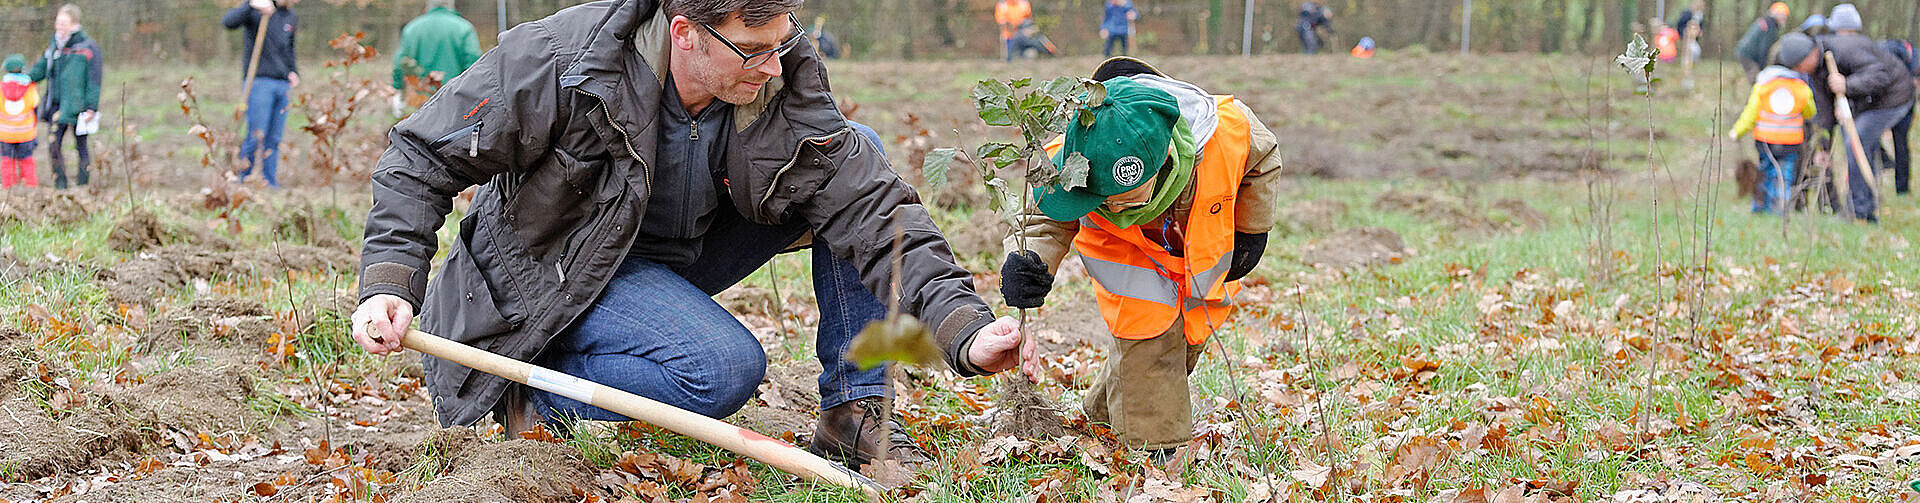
(460, 305)
(550, 204)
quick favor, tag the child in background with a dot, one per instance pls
(18, 98)
(1777, 112)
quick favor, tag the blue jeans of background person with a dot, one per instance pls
(1121, 38)
(1871, 125)
(266, 120)
(1902, 159)
(657, 332)
(1776, 176)
(1009, 42)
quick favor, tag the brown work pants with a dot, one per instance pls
(1142, 392)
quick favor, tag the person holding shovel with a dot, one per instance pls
(627, 173)
(277, 73)
(1176, 209)
(1876, 85)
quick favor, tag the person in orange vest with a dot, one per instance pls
(1176, 209)
(1777, 112)
(1009, 14)
(1364, 49)
(19, 101)
(1665, 39)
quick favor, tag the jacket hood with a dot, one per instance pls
(14, 87)
(1778, 72)
(1196, 106)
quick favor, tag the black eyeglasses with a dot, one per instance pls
(751, 61)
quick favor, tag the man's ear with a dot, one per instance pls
(681, 32)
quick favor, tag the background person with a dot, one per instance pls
(72, 70)
(1877, 85)
(1116, 26)
(438, 42)
(1777, 111)
(1010, 15)
(18, 124)
(1759, 38)
(277, 75)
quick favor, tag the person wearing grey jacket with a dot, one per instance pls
(1877, 86)
(635, 157)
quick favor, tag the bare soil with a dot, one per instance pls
(1355, 247)
(159, 271)
(515, 470)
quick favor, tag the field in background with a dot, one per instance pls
(1505, 278)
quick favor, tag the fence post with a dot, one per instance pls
(1246, 32)
(1466, 26)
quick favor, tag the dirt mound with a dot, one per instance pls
(137, 230)
(514, 470)
(213, 307)
(1521, 214)
(1315, 216)
(159, 271)
(36, 441)
(45, 206)
(1022, 413)
(1446, 210)
(1355, 247)
(195, 398)
(310, 224)
(788, 401)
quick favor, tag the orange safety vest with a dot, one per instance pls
(1668, 42)
(1140, 287)
(1010, 14)
(1781, 101)
(17, 122)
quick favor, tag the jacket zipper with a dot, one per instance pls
(473, 148)
(626, 141)
(774, 184)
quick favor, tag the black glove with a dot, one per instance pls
(1024, 280)
(1247, 249)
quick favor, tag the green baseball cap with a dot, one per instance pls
(1125, 147)
(16, 63)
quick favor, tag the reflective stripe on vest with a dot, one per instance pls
(1140, 287)
(1780, 121)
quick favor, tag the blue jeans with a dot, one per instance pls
(1776, 175)
(657, 332)
(1120, 38)
(266, 121)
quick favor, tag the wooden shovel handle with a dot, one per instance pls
(746, 442)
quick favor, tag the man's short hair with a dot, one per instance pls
(435, 4)
(72, 11)
(754, 13)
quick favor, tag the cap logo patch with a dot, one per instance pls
(1127, 171)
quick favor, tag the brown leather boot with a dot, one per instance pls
(863, 431)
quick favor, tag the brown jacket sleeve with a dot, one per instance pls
(1260, 189)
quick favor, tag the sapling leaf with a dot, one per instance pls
(1003, 199)
(935, 167)
(898, 338)
(991, 99)
(1062, 86)
(1096, 94)
(1073, 174)
(1021, 83)
(1086, 117)
(1639, 59)
(1002, 154)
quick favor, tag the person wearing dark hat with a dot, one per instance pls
(1176, 209)
(1759, 38)
(1777, 112)
(1876, 84)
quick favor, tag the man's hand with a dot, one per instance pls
(293, 79)
(265, 7)
(380, 322)
(1024, 280)
(1837, 82)
(86, 116)
(1000, 346)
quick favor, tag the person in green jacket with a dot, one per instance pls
(72, 63)
(439, 41)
